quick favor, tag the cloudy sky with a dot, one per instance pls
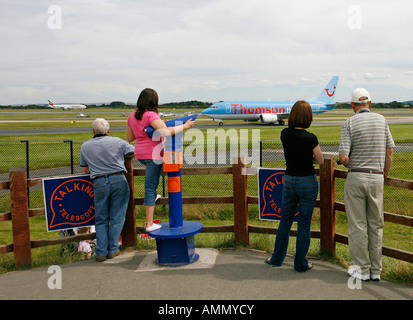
(90, 51)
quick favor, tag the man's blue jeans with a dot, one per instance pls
(111, 203)
(303, 191)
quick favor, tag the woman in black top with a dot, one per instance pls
(301, 150)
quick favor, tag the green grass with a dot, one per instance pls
(394, 236)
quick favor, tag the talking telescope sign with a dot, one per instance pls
(270, 189)
(69, 202)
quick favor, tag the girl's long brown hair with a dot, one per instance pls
(147, 101)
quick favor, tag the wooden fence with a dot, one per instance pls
(20, 213)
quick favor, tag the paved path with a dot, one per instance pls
(218, 275)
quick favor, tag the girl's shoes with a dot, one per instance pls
(153, 227)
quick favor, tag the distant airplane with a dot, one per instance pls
(269, 111)
(169, 114)
(82, 115)
(66, 106)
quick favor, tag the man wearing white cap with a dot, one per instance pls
(366, 148)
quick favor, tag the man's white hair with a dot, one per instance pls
(101, 126)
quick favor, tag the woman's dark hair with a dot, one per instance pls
(147, 101)
(301, 115)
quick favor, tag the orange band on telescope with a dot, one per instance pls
(172, 161)
(174, 184)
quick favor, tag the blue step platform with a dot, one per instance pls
(175, 241)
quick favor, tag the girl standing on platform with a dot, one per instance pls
(148, 150)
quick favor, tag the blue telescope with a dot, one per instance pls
(172, 123)
(175, 242)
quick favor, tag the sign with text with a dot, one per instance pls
(270, 189)
(69, 202)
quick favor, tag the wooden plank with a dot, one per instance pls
(207, 171)
(252, 200)
(272, 230)
(399, 183)
(399, 219)
(20, 217)
(341, 238)
(389, 252)
(397, 254)
(339, 206)
(6, 248)
(6, 216)
(191, 200)
(388, 216)
(205, 229)
(34, 182)
(194, 171)
(222, 228)
(389, 182)
(51, 242)
(340, 174)
(38, 212)
(207, 200)
(4, 185)
(327, 202)
(240, 191)
(129, 236)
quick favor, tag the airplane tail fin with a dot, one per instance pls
(327, 95)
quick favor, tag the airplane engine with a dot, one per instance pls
(268, 118)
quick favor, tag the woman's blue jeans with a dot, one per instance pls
(303, 191)
(111, 203)
(152, 175)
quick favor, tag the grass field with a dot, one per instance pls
(49, 155)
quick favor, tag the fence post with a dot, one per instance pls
(20, 217)
(26, 142)
(327, 201)
(71, 155)
(241, 219)
(129, 228)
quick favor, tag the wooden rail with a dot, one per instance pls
(20, 213)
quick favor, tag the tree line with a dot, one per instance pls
(202, 105)
(381, 105)
(122, 105)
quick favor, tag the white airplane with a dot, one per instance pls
(82, 115)
(169, 114)
(270, 111)
(66, 106)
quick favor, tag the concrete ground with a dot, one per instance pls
(218, 275)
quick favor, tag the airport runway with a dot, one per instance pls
(336, 117)
(199, 125)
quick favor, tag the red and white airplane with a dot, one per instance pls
(66, 106)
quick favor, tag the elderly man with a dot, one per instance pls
(103, 157)
(366, 148)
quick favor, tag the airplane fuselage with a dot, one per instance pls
(67, 106)
(269, 111)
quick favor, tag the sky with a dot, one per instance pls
(97, 51)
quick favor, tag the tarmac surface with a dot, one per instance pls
(219, 275)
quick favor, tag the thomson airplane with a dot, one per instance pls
(269, 111)
(66, 106)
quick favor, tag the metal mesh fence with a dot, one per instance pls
(60, 158)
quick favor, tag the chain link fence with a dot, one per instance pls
(61, 158)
